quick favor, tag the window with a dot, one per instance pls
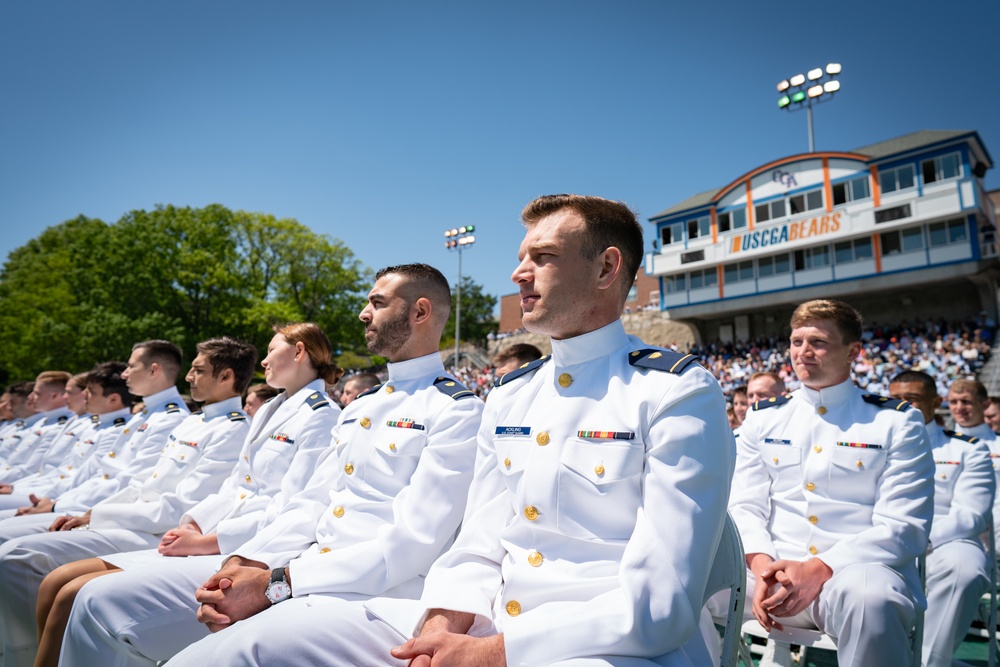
(906, 240)
(770, 210)
(734, 219)
(852, 251)
(948, 232)
(673, 285)
(699, 228)
(738, 272)
(704, 278)
(672, 233)
(899, 178)
(807, 201)
(941, 168)
(773, 266)
(812, 258)
(852, 190)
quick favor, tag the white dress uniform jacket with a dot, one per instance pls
(13, 451)
(992, 441)
(33, 450)
(62, 444)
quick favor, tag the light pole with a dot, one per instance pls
(458, 238)
(796, 93)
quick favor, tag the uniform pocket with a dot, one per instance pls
(600, 488)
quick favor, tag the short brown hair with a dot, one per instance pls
(162, 352)
(609, 224)
(423, 281)
(766, 374)
(974, 387)
(521, 352)
(234, 354)
(845, 317)
(317, 346)
(54, 379)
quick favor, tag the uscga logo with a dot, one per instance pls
(789, 231)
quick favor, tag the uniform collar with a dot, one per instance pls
(828, 396)
(418, 367)
(52, 416)
(589, 346)
(33, 419)
(212, 410)
(108, 418)
(983, 432)
(154, 401)
(299, 397)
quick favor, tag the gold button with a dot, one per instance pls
(506, 463)
(325, 550)
(814, 519)
(69, 467)
(513, 608)
(565, 380)
(365, 422)
(392, 446)
(338, 511)
(182, 457)
(542, 439)
(389, 389)
(817, 449)
(155, 475)
(243, 495)
(821, 409)
(126, 431)
(944, 476)
(534, 559)
(775, 459)
(246, 458)
(349, 469)
(813, 550)
(531, 512)
(860, 464)
(248, 479)
(599, 469)
(62, 476)
(111, 455)
(810, 486)
(105, 477)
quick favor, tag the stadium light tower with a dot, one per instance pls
(457, 239)
(805, 90)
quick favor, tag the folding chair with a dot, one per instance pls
(988, 602)
(729, 572)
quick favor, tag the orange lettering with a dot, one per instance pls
(824, 224)
(736, 244)
(812, 228)
(793, 231)
(836, 222)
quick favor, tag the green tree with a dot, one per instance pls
(477, 315)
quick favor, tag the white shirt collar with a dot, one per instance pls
(589, 346)
(828, 396)
(412, 369)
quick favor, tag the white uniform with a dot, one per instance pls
(845, 477)
(287, 438)
(377, 513)
(596, 507)
(200, 452)
(61, 445)
(34, 449)
(987, 437)
(11, 451)
(957, 568)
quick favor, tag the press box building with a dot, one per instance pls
(901, 229)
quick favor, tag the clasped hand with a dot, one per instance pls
(785, 587)
(234, 593)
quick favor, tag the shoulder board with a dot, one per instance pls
(62, 420)
(172, 407)
(523, 370)
(236, 416)
(771, 402)
(317, 400)
(961, 436)
(885, 402)
(661, 360)
(120, 421)
(453, 388)
(368, 392)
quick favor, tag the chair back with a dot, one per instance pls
(729, 572)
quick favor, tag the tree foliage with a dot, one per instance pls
(477, 315)
(84, 291)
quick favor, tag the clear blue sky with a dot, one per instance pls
(384, 123)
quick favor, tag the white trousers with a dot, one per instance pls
(957, 575)
(24, 562)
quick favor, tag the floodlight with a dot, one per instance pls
(799, 96)
(454, 232)
(798, 80)
(783, 86)
(815, 91)
(784, 101)
(447, 233)
(814, 74)
(831, 86)
(833, 68)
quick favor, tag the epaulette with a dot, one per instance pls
(317, 400)
(236, 416)
(120, 421)
(771, 402)
(453, 388)
(961, 436)
(661, 360)
(62, 419)
(885, 402)
(96, 419)
(368, 392)
(523, 370)
(173, 407)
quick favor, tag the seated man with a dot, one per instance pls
(25, 418)
(566, 551)
(762, 386)
(833, 498)
(992, 414)
(49, 398)
(968, 401)
(513, 357)
(957, 568)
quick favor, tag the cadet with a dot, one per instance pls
(833, 541)
(967, 403)
(957, 568)
(25, 417)
(356, 385)
(513, 357)
(48, 398)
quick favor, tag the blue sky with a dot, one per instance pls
(385, 123)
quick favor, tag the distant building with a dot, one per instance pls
(901, 229)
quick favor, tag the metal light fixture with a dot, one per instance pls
(795, 94)
(459, 238)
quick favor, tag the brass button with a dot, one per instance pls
(325, 550)
(821, 409)
(944, 476)
(775, 459)
(243, 495)
(542, 438)
(817, 449)
(182, 457)
(392, 446)
(338, 511)
(814, 519)
(62, 476)
(810, 486)
(813, 550)
(69, 467)
(860, 464)
(105, 477)
(534, 559)
(565, 380)
(248, 479)
(530, 512)
(155, 475)
(349, 469)
(389, 389)
(506, 463)
(246, 458)
(513, 608)
(111, 455)
(599, 470)
(365, 422)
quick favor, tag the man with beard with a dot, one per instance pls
(383, 504)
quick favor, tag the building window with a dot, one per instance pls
(738, 272)
(902, 241)
(770, 210)
(672, 233)
(773, 266)
(704, 278)
(852, 251)
(899, 178)
(699, 228)
(947, 232)
(734, 219)
(941, 168)
(807, 201)
(852, 190)
(812, 258)
(673, 285)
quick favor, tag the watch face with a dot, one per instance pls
(278, 591)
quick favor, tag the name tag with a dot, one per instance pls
(776, 441)
(606, 435)
(513, 431)
(861, 445)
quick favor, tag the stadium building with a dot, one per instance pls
(902, 229)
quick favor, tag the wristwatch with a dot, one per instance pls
(278, 590)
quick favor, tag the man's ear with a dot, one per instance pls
(610, 267)
(421, 311)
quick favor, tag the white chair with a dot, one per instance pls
(988, 602)
(779, 642)
(729, 572)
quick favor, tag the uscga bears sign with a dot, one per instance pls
(785, 232)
